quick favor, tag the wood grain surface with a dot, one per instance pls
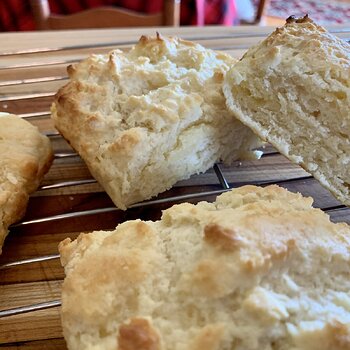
(28, 81)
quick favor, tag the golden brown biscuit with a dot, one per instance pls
(258, 269)
(25, 156)
(293, 90)
(145, 119)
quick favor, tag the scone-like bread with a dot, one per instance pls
(258, 269)
(145, 119)
(25, 156)
(293, 90)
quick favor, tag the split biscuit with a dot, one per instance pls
(293, 90)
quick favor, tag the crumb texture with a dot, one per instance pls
(293, 90)
(25, 156)
(147, 118)
(259, 269)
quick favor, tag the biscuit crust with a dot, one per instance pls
(26, 155)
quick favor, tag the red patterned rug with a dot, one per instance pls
(323, 12)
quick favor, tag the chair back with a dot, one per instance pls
(104, 17)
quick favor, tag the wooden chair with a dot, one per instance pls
(260, 11)
(259, 14)
(104, 17)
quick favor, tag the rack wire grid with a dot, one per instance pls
(29, 80)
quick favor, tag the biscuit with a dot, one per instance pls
(25, 156)
(257, 269)
(145, 119)
(293, 90)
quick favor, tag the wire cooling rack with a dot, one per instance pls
(29, 80)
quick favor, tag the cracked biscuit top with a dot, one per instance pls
(146, 118)
(258, 269)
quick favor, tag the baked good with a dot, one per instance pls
(145, 119)
(257, 269)
(25, 156)
(293, 90)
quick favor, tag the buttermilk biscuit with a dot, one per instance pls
(259, 269)
(25, 156)
(144, 119)
(293, 90)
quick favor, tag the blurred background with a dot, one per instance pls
(24, 15)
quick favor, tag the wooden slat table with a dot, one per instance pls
(32, 68)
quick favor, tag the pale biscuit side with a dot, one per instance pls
(293, 90)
